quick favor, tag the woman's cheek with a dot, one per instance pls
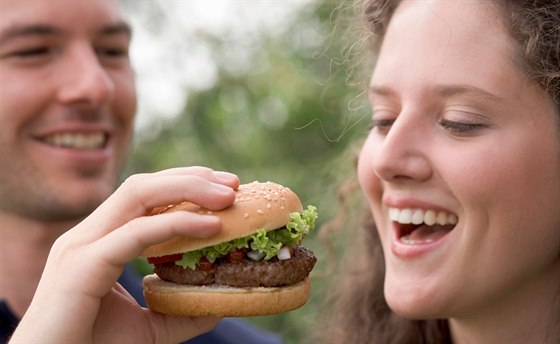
(366, 175)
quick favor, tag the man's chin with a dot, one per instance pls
(54, 209)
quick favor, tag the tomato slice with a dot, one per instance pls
(204, 264)
(236, 256)
(165, 259)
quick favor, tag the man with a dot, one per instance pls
(67, 106)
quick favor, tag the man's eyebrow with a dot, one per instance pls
(117, 28)
(29, 30)
(49, 30)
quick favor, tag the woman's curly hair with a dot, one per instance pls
(533, 24)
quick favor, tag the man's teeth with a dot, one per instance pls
(419, 216)
(77, 140)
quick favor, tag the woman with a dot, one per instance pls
(461, 171)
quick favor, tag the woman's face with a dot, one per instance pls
(467, 149)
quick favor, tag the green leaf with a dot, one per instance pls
(190, 259)
(269, 243)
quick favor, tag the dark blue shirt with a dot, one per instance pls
(228, 331)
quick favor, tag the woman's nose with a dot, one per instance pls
(403, 154)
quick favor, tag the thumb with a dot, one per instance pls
(175, 329)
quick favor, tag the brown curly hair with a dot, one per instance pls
(360, 313)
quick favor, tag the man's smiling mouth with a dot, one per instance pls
(420, 226)
(77, 140)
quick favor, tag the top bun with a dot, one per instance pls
(257, 206)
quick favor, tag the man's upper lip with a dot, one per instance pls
(73, 128)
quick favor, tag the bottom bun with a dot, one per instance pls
(222, 301)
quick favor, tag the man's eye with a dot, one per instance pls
(31, 56)
(112, 52)
(32, 52)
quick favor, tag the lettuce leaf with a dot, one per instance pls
(269, 243)
(190, 259)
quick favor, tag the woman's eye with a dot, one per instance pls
(381, 125)
(461, 128)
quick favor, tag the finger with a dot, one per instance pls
(220, 177)
(141, 194)
(127, 242)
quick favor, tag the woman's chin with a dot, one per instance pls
(414, 303)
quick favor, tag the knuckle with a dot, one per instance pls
(132, 230)
(202, 171)
(61, 244)
(132, 182)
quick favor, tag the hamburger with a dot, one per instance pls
(254, 266)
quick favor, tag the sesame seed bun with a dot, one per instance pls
(223, 301)
(257, 206)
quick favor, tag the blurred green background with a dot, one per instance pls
(289, 114)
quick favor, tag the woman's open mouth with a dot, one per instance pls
(421, 226)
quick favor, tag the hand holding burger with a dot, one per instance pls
(254, 266)
(78, 298)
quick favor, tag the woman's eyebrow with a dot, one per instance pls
(380, 90)
(440, 90)
(464, 89)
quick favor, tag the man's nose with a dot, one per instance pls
(84, 79)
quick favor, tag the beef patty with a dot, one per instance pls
(245, 273)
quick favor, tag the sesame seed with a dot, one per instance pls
(260, 212)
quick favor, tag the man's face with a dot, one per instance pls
(67, 104)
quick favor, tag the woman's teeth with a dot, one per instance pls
(421, 216)
(80, 141)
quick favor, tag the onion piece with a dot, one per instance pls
(284, 253)
(255, 255)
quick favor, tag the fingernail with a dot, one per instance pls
(225, 175)
(221, 188)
